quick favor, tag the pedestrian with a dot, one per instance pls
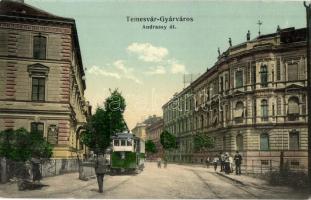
(227, 163)
(222, 161)
(165, 162)
(215, 162)
(159, 162)
(35, 168)
(238, 162)
(207, 162)
(231, 163)
(100, 170)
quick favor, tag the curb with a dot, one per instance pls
(232, 179)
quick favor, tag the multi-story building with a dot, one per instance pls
(253, 100)
(153, 132)
(140, 131)
(41, 76)
(178, 120)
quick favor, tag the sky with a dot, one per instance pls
(148, 65)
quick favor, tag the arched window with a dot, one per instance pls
(238, 114)
(264, 75)
(264, 142)
(293, 108)
(264, 110)
(239, 142)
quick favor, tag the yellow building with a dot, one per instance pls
(140, 131)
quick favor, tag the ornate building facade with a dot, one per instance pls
(41, 76)
(253, 100)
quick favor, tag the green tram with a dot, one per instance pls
(127, 153)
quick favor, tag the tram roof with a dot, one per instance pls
(124, 136)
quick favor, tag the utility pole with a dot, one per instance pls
(308, 12)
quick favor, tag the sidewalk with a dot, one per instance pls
(243, 179)
(61, 184)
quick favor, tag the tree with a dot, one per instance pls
(105, 123)
(202, 141)
(150, 146)
(168, 141)
(21, 145)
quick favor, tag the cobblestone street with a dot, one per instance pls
(177, 181)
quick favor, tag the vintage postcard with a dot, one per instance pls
(146, 99)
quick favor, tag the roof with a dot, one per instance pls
(19, 9)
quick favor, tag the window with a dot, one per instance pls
(294, 140)
(264, 162)
(215, 117)
(39, 47)
(239, 142)
(38, 89)
(292, 71)
(227, 81)
(239, 79)
(253, 73)
(278, 106)
(37, 128)
(264, 76)
(116, 143)
(129, 143)
(239, 112)
(227, 112)
(293, 108)
(255, 109)
(264, 110)
(221, 84)
(264, 142)
(278, 69)
(122, 142)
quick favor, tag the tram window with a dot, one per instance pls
(122, 142)
(116, 143)
(129, 143)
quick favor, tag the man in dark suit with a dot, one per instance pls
(238, 162)
(100, 170)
